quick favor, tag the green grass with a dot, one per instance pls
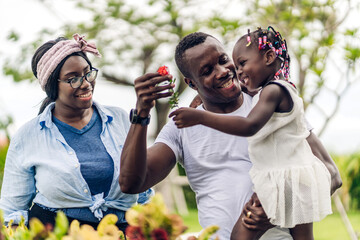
(330, 228)
(192, 221)
(333, 228)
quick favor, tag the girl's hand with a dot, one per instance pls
(147, 90)
(186, 117)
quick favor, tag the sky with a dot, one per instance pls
(22, 100)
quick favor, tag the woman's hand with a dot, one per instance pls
(148, 90)
(186, 117)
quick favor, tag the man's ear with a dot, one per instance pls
(270, 57)
(190, 82)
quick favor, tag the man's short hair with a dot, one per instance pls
(189, 41)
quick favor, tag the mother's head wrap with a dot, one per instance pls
(51, 59)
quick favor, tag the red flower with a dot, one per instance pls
(134, 233)
(163, 70)
(159, 234)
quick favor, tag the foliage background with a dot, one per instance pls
(138, 36)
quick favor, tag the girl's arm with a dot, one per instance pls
(269, 101)
(320, 152)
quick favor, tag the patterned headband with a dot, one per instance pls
(51, 59)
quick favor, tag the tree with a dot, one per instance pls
(131, 40)
(316, 36)
(136, 37)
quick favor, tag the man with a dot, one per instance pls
(216, 163)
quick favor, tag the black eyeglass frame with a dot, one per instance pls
(70, 81)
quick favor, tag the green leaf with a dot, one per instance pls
(352, 53)
(13, 36)
(61, 225)
(351, 32)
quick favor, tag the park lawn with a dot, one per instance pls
(333, 228)
(330, 228)
(192, 221)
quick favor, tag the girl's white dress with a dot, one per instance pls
(292, 184)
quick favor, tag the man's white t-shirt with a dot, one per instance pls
(217, 166)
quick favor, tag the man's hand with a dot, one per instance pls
(147, 90)
(254, 215)
(186, 117)
(252, 223)
(141, 169)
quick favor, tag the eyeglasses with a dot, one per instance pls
(76, 82)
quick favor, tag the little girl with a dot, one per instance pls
(292, 185)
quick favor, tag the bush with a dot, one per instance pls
(151, 221)
(3, 151)
(188, 192)
(353, 174)
(349, 167)
(106, 230)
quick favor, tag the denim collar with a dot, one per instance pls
(46, 116)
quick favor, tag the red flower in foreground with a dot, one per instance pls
(134, 233)
(174, 99)
(163, 70)
(159, 234)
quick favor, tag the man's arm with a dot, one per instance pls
(142, 168)
(138, 174)
(320, 152)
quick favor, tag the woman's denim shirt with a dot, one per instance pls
(42, 168)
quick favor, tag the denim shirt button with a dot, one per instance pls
(76, 165)
(71, 152)
(85, 190)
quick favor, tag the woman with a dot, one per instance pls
(67, 158)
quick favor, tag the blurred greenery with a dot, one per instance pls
(315, 31)
(349, 168)
(188, 192)
(191, 221)
(4, 125)
(134, 41)
(330, 228)
(3, 151)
